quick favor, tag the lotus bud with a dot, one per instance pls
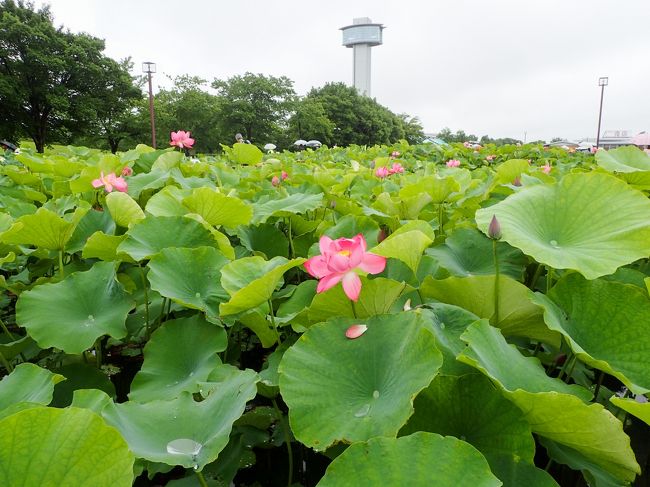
(494, 230)
(407, 305)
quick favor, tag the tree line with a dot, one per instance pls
(59, 87)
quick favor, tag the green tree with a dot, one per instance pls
(50, 80)
(187, 105)
(255, 105)
(310, 121)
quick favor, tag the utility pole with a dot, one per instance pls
(149, 68)
(602, 82)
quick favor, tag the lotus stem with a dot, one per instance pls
(201, 478)
(61, 271)
(98, 352)
(440, 216)
(273, 323)
(287, 441)
(147, 332)
(601, 376)
(549, 278)
(6, 330)
(354, 309)
(496, 282)
(292, 252)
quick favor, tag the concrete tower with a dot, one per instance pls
(361, 36)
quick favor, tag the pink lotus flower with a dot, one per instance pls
(275, 181)
(127, 171)
(453, 163)
(516, 181)
(110, 182)
(340, 260)
(490, 158)
(382, 172)
(355, 331)
(284, 175)
(395, 154)
(397, 168)
(546, 168)
(181, 139)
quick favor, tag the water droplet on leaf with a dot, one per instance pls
(554, 243)
(375, 394)
(363, 411)
(184, 446)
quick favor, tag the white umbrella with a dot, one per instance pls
(269, 147)
(300, 142)
(314, 143)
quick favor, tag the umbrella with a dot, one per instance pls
(641, 139)
(269, 147)
(300, 142)
(314, 143)
(8, 145)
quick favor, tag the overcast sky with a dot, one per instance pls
(500, 67)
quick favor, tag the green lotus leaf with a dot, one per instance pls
(43, 229)
(219, 209)
(606, 325)
(507, 171)
(252, 280)
(576, 223)
(593, 474)
(58, 447)
(294, 204)
(407, 247)
(73, 313)
(124, 209)
(418, 460)
(167, 160)
(153, 234)
(190, 277)
(28, 383)
(11, 348)
(265, 238)
(104, 247)
(168, 202)
(179, 355)
(639, 409)
(261, 326)
(150, 180)
(469, 407)
(518, 315)
(92, 222)
(154, 428)
(343, 390)
(298, 303)
(79, 376)
(553, 409)
(447, 323)
(351, 225)
(377, 297)
(246, 154)
(489, 352)
(623, 159)
(438, 188)
(467, 252)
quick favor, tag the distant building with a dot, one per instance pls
(611, 139)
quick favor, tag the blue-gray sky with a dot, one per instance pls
(496, 67)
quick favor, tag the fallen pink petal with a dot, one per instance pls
(355, 331)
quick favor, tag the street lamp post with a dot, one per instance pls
(149, 68)
(602, 82)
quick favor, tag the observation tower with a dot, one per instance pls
(361, 36)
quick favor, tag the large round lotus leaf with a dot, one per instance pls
(607, 325)
(179, 355)
(104, 247)
(49, 447)
(219, 209)
(343, 390)
(28, 383)
(406, 246)
(168, 202)
(377, 297)
(418, 460)
(623, 159)
(246, 154)
(252, 280)
(264, 238)
(518, 315)
(593, 223)
(43, 229)
(124, 209)
(467, 252)
(73, 313)
(151, 235)
(553, 409)
(190, 277)
(470, 408)
(291, 205)
(94, 221)
(157, 430)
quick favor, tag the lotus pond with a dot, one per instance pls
(387, 316)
